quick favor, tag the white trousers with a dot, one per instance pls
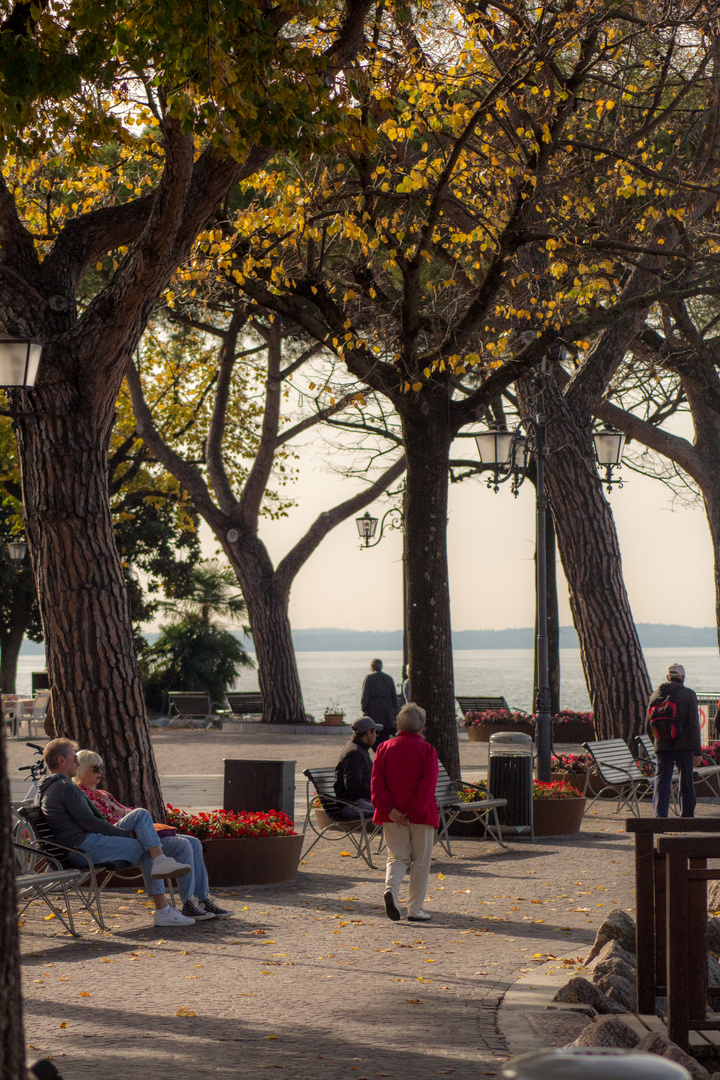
(409, 847)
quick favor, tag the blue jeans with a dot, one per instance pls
(352, 813)
(663, 778)
(102, 848)
(188, 849)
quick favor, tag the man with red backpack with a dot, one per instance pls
(672, 720)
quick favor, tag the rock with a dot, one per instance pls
(613, 966)
(612, 950)
(607, 1031)
(555, 1027)
(713, 971)
(618, 927)
(713, 895)
(714, 931)
(582, 991)
(620, 990)
(655, 1043)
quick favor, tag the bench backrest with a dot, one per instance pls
(445, 789)
(190, 702)
(245, 701)
(609, 753)
(480, 704)
(648, 747)
(32, 828)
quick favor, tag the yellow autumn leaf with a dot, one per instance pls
(417, 386)
(64, 1024)
(346, 853)
(182, 1011)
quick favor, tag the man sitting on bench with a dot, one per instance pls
(353, 770)
(75, 823)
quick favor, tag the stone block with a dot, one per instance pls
(620, 990)
(582, 991)
(655, 1043)
(607, 1031)
(618, 926)
(613, 966)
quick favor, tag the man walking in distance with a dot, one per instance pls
(74, 823)
(683, 750)
(354, 769)
(379, 700)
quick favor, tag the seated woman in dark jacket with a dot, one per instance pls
(354, 769)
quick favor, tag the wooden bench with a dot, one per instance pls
(244, 703)
(480, 704)
(195, 707)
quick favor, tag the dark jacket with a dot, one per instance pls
(687, 711)
(379, 699)
(353, 771)
(70, 814)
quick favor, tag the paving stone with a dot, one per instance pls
(555, 1027)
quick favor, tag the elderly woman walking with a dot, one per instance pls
(404, 777)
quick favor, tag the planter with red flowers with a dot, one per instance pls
(558, 809)
(568, 726)
(243, 848)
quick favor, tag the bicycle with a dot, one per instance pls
(37, 771)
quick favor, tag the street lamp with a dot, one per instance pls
(367, 527)
(508, 454)
(17, 549)
(19, 361)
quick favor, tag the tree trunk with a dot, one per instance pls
(613, 662)
(91, 659)
(11, 642)
(267, 606)
(12, 1038)
(427, 438)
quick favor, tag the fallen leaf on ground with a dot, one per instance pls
(182, 1011)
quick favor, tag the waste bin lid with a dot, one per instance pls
(511, 742)
(593, 1063)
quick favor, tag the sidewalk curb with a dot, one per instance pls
(532, 993)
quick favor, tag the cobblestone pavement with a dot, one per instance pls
(311, 979)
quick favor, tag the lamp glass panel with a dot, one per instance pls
(13, 359)
(494, 447)
(33, 362)
(366, 526)
(609, 447)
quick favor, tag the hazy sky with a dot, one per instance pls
(667, 557)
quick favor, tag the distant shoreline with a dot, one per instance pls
(652, 635)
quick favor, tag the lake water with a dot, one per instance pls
(335, 678)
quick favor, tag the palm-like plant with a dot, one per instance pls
(194, 650)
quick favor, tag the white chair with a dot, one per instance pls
(34, 712)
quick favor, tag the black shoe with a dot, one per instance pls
(390, 909)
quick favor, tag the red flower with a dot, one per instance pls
(224, 824)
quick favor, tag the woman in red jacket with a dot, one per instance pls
(404, 777)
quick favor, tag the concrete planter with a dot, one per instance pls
(252, 860)
(558, 817)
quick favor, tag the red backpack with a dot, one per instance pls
(663, 721)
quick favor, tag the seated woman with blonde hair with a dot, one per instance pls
(193, 887)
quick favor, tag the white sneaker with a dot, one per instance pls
(164, 866)
(420, 916)
(170, 916)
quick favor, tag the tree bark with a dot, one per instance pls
(613, 662)
(267, 604)
(427, 437)
(91, 660)
(12, 1038)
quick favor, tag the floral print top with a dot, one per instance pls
(103, 801)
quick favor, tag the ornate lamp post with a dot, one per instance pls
(508, 454)
(367, 527)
